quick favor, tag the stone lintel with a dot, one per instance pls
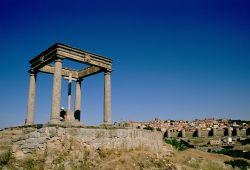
(64, 51)
(43, 60)
(75, 74)
(85, 58)
(89, 71)
(65, 72)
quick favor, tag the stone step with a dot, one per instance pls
(3, 147)
(7, 136)
(12, 132)
(5, 142)
(4, 151)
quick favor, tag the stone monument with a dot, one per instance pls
(56, 54)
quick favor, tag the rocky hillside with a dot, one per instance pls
(84, 148)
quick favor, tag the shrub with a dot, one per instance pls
(179, 145)
(244, 142)
(39, 126)
(30, 163)
(240, 163)
(5, 157)
(234, 153)
(148, 128)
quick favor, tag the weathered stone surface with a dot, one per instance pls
(54, 137)
(83, 148)
(21, 142)
(17, 152)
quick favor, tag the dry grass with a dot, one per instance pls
(100, 159)
(243, 147)
(194, 159)
(135, 159)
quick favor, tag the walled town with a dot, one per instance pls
(216, 132)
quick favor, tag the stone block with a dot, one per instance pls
(34, 135)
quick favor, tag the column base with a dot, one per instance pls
(70, 116)
(70, 120)
(55, 122)
(28, 124)
(71, 123)
(107, 123)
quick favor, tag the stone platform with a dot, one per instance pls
(25, 140)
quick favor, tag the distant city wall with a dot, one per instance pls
(208, 133)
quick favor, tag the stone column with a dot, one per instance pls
(107, 98)
(229, 131)
(237, 131)
(183, 133)
(56, 94)
(78, 100)
(214, 132)
(168, 133)
(31, 100)
(198, 131)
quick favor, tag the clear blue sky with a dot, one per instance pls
(173, 59)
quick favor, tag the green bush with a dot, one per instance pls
(148, 128)
(240, 163)
(5, 157)
(30, 163)
(179, 145)
(39, 126)
(244, 142)
(234, 153)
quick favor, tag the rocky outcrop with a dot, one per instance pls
(56, 147)
(40, 147)
(98, 138)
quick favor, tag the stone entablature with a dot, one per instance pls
(57, 53)
(62, 51)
